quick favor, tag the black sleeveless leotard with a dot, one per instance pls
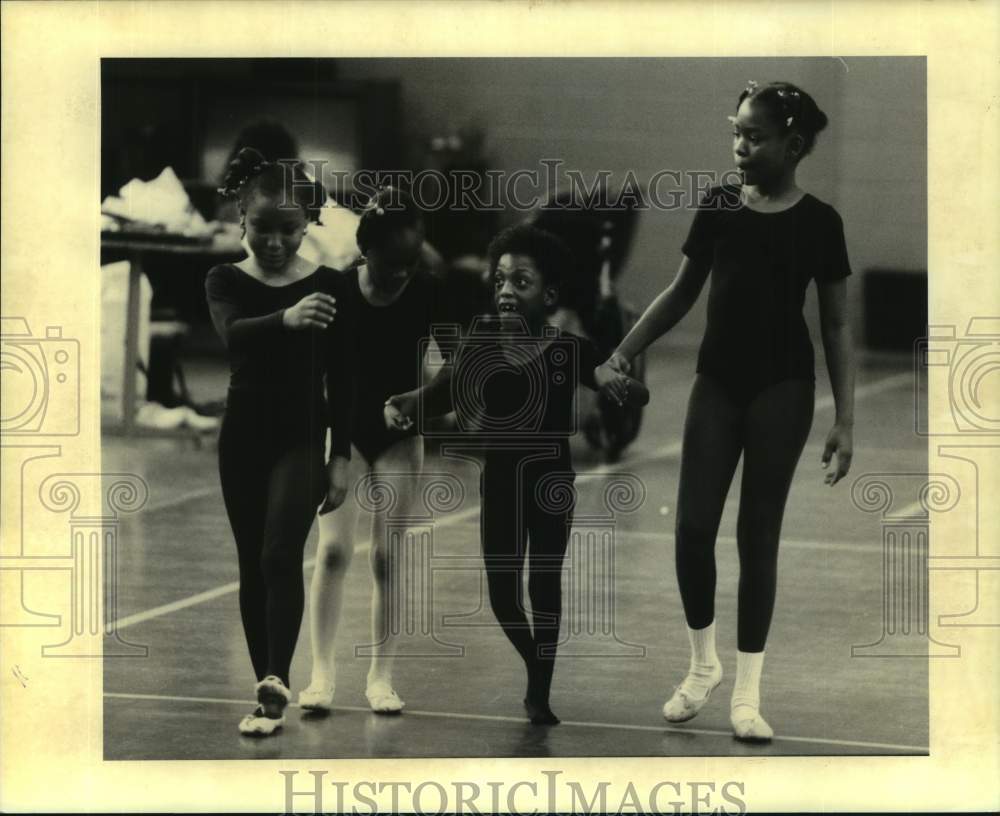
(389, 343)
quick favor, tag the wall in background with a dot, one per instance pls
(641, 115)
(653, 114)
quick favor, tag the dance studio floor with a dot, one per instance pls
(177, 596)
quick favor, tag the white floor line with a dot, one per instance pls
(624, 536)
(786, 543)
(666, 451)
(184, 603)
(921, 749)
(183, 498)
(201, 597)
(875, 387)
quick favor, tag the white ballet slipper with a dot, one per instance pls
(259, 725)
(316, 697)
(273, 695)
(749, 726)
(690, 697)
(383, 699)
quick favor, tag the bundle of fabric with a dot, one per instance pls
(158, 207)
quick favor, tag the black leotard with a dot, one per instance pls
(276, 372)
(271, 444)
(754, 393)
(761, 265)
(388, 344)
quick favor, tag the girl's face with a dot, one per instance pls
(392, 265)
(519, 289)
(274, 233)
(761, 149)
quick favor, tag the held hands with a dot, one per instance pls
(614, 383)
(399, 411)
(840, 440)
(336, 491)
(315, 311)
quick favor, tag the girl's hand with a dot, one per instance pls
(611, 382)
(315, 311)
(840, 440)
(619, 363)
(611, 379)
(624, 390)
(398, 412)
(336, 491)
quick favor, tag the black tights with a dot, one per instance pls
(271, 489)
(513, 522)
(769, 429)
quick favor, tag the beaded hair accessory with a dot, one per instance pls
(790, 100)
(372, 203)
(252, 173)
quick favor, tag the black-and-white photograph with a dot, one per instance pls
(515, 407)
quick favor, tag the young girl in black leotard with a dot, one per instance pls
(275, 314)
(763, 241)
(514, 385)
(393, 307)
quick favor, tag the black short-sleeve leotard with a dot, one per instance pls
(277, 374)
(761, 265)
(388, 343)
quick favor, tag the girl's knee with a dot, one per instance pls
(334, 557)
(545, 596)
(277, 564)
(692, 536)
(379, 560)
(757, 534)
(502, 584)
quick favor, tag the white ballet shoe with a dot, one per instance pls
(383, 699)
(749, 726)
(317, 697)
(690, 697)
(273, 696)
(259, 725)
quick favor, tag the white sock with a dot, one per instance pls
(746, 693)
(704, 667)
